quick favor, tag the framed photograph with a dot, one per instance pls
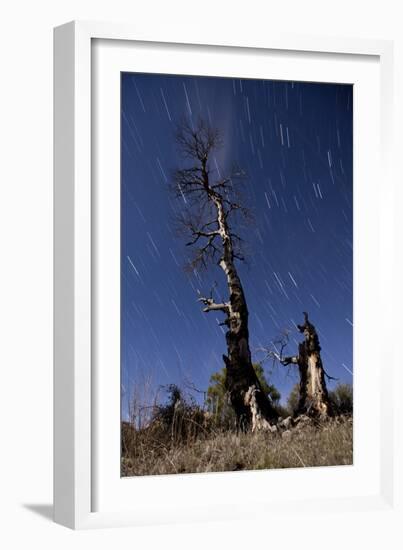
(221, 236)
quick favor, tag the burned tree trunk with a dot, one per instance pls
(250, 404)
(209, 222)
(313, 396)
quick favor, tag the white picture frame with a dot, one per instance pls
(78, 443)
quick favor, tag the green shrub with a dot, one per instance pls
(342, 399)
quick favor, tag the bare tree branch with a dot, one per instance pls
(197, 234)
(212, 306)
(277, 347)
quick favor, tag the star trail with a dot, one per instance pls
(294, 141)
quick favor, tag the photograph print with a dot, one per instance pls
(236, 274)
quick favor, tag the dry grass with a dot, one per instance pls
(328, 444)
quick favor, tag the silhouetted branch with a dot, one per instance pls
(205, 197)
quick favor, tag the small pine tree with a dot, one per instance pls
(217, 400)
(342, 398)
(293, 400)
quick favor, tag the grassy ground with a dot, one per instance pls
(328, 444)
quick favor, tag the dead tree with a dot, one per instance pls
(211, 206)
(313, 395)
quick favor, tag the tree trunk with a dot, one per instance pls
(313, 395)
(252, 407)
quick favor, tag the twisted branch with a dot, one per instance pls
(213, 306)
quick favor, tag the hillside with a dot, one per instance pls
(304, 445)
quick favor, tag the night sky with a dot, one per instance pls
(294, 141)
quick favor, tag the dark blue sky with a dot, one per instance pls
(294, 140)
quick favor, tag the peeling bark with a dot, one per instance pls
(314, 398)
